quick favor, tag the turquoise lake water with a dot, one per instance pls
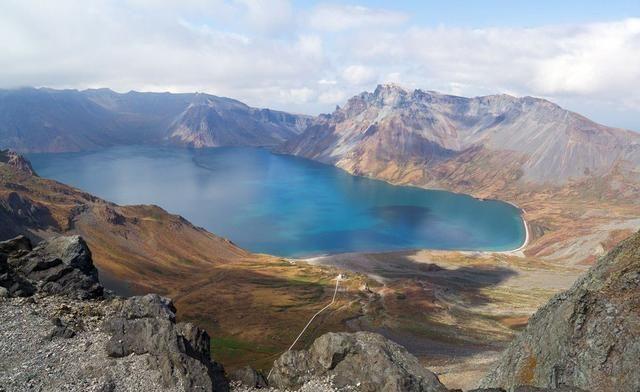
(285, 205)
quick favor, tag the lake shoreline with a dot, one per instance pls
(519, 251)
(350, 213)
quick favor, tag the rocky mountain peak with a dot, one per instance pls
(16, 161)
(386, 96)
(396, 127)
(390, 89)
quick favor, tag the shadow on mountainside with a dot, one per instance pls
(436, 311)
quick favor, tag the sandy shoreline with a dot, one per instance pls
(527, 235)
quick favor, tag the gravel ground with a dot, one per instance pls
(321, 385)
(31, 361)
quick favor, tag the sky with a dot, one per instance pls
(309, 56)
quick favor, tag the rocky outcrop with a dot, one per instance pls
(67, 308)
(364, 360)
(16, 161)
(587, 337)
(146, 325)
(249, 377)
(61, 265)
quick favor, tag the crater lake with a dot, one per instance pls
(284, 205)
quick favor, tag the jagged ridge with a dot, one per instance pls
(397, 128)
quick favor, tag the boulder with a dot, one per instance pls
(148, 306)
(13, 284)
(60, 330)
(146, 325)
(249, 377)
(15, 245)
(364, 360)
(62, 265)
(587, 337)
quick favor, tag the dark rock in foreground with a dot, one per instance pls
(365, 360)
(65, 335)
(249, 377)
(61, 265)
(587, 337)
(146, 325)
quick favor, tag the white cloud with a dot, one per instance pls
(333, 97)
(359, 75)
(334, 17)
(310, 45)
(300, 95)
(599, 59)
(267, 16)
(277, 55)
(593, 60)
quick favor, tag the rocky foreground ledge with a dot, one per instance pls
(60, 331)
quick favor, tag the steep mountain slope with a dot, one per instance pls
(47, 120)
(428, 138)
(587, 336)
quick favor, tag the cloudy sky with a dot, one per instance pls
(308, 56)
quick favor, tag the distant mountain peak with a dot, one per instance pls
(16, 161)
(398, 128)
(392, 87)
(50, 120)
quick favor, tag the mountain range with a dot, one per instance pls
(577, 180)
(432, 139)
(555, 164)
(407, 136)
(47, 120)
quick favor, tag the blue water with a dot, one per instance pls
(285, 205)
